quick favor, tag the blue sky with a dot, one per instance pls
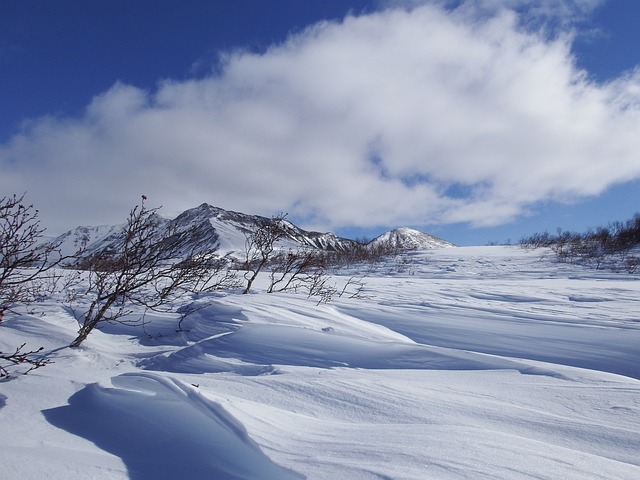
(473, 122)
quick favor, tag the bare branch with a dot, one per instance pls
(20, 357)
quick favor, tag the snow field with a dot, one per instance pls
(462, 363)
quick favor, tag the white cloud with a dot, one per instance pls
(406, 116)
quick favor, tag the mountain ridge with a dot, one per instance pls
(207, 228)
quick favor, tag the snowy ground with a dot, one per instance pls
(462, 363)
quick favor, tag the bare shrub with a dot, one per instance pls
(292, 269)
(260, 245)
(319, 286)
(364, 252)
(604, 247)
(146, 270)
(26, 274)
(25, 260)
(632, 264)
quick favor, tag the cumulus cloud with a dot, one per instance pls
(425, 115)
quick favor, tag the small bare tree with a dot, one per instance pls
(259, 247)
(25, 262)
(146, 270)
(24, 257)
(291, 269)
(319, 286)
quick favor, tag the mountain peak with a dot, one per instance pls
(407, 238)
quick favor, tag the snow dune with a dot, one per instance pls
(172, 430)
(461, 363)
(266, 345)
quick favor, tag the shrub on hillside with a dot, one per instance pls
(603, 247)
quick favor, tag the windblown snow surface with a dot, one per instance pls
(457, 363)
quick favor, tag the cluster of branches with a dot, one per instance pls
(363, 252)
(289, 270)
(612, 247)
(25, 269)
(307, 269)
(32, 359)
(24, 259)
(260, 247)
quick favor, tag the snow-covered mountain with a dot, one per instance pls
(203, 229)
(206, 228)
(410, 239)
